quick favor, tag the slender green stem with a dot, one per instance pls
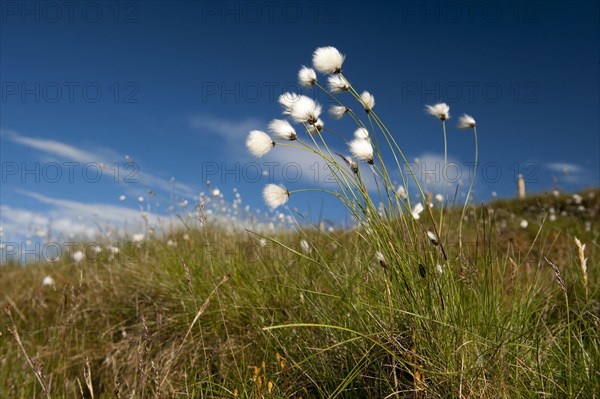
(444, 177)
(300, 190)
(464, 210)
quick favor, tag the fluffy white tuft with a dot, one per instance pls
(282, 129)
(338, 111)
(401, 192)
(78, 256)
(361, 133)
(328, 60)
(316, 127)
(362, 150)
(368, 100)
(416, 211)
(48, 281)
(466, 122)
(440, 111)
(287, 100)
(259, 143)
(275, 195)
(432, 238)
(337, 84)
(307, 77)
(304, 109)
(305, 246)
(524, 223)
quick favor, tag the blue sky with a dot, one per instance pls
(177, 85)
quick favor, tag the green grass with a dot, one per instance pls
(277, 322)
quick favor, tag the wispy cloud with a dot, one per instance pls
(59, 219)
(232, 131)
(565, 167)
(107, 212)
(428, 168)
(570, 173)
(55, 148)
(102, 155)
(180, 189)
(68, 217)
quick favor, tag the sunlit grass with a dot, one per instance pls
(411, 300)
(283, 320)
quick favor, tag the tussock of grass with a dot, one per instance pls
(279, 321)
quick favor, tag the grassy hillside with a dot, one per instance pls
(313, 313)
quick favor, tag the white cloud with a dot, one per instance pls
(67, 217)
(232, 131)
(155, 182)
(57, 148)
(570, 173)
(428, 168)
(64, 151)
(565, 168)
(107, 212)
(297, 166)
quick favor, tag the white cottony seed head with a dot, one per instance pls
(466, 122)
(48, 281)
(416, 211)
(524, 223)
(275, 195)
(362, 150)
(368, 100)
(304, 109)
(361, 133)
(337, 84)
(282, 129)
(338, 111)
(328, 60)
(316, 128)
(307, 77)
(78, 256)
(259, 143)
(440, 111)
(305, 246)
(401, 192)
(288, 99)
(432, 238)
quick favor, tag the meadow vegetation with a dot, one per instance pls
(416, 299)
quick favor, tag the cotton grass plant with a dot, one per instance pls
(384, 213)
(392, 229)
(417, 299)
(430, 299)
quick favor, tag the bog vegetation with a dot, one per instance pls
(418, 299)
